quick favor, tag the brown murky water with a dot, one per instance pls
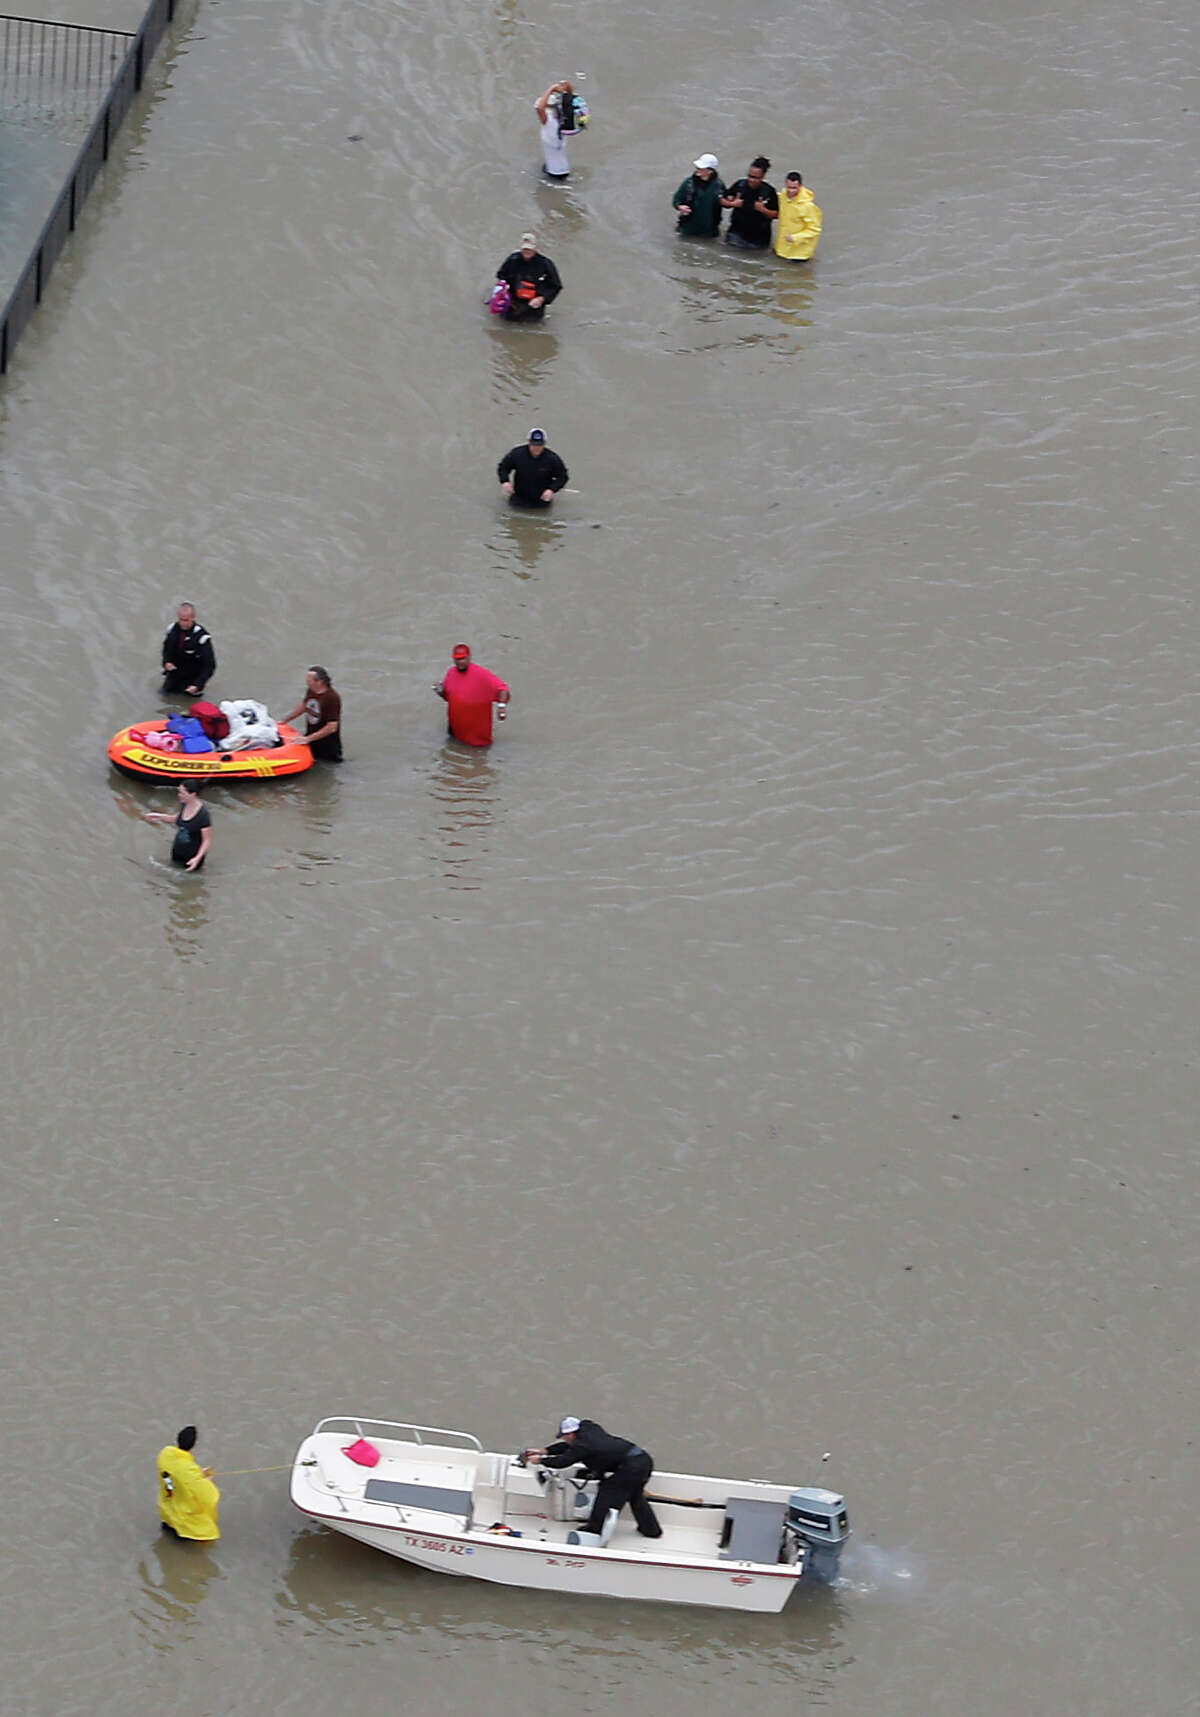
(783, 1040)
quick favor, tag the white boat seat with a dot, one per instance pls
(752, 1531)
(596, 1540)
(491, 1490)
(437, 1498)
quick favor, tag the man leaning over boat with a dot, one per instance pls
(621, 1466)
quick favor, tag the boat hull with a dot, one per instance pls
(548, 1568)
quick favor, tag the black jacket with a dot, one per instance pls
(531, 475)
(537, 269)
(593, 1448)
(192, 653)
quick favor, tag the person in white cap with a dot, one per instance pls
(532, 280)
(622, 1467)
(697, 202)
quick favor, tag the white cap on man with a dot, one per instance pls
(706, 163)
(568, 1426)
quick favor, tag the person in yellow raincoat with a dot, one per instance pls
(187, 1496)
(799, 229)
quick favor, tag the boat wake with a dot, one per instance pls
(874, 1569)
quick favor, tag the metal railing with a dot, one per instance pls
(350, 1422)
(33, 57)
(47, 69)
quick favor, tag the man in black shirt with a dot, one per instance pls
(755, 205)
(533, 474)
(188, 658)
(531, 278)
(622, 1468)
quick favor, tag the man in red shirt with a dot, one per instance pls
(470, 692)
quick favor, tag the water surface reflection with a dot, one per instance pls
(562, 212)
(335, 1585)
(172, 1581)
(722, 291)
(522, 358)
(464, 783)
(187, 915)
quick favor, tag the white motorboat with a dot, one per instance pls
(437, 1498)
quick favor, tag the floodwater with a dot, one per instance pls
(782, 1042)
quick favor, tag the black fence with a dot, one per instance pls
(49, 66)
(50, 70)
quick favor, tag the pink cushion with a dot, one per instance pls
(366, 1454)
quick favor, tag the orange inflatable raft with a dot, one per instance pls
(136, 758)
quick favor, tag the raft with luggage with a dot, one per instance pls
(234, 741)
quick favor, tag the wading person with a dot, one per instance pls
(188, 658)
(622, 1467)
(192, 825)
(800, 221)
(187, 1496)
(470, 691)
(697, 202)
(755, 205)
(532, 475)
(532, 280)
(322, 712)
(556, 115)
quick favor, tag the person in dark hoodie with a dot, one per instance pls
(532, 280)
(622, 1467)
(698, 201)
(532, 475)
(188, 658)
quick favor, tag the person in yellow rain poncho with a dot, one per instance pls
(799, 229)
(187, 1496)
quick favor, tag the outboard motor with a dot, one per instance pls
(818, 1520)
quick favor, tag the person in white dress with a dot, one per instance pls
(549, 112)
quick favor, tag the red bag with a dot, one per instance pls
(214, 722)
(366, 1454)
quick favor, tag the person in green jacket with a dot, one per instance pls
(697, 202)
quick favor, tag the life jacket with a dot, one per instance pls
(214, 721)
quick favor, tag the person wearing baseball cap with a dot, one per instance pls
(697, 202)
(470, 691)
(533, 474)
(621, 1466)
(532, 280)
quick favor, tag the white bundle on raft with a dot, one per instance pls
(250, 725)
